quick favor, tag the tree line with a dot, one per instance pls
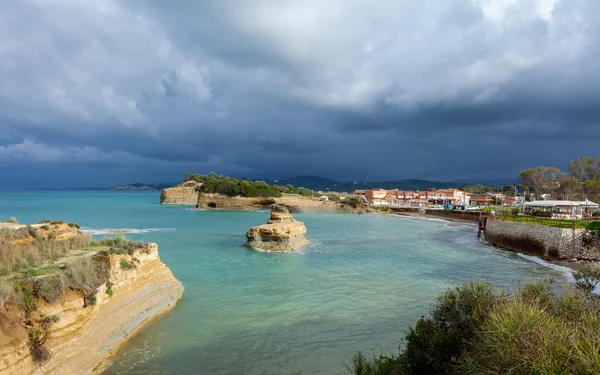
(243, 187)
(580, 181)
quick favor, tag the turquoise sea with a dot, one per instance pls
(361, 283)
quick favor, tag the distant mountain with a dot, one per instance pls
(138, 186)
(327, 184)
(494, 182)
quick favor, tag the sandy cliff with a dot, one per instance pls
(281, 233)
(184, 193)
(81, 338)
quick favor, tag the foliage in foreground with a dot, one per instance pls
(474, 330)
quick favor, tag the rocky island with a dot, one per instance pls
(281, 233)
(67, 303)
(214, 192)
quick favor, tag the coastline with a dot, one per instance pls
(85, 339)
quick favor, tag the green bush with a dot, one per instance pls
(377, 365)
(596, 213)
(125, 265)
(109, 291)
(473, 330)
(593, 225)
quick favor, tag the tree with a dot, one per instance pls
(509, 190)
(568, 188)
(542, 179)
(585, 168)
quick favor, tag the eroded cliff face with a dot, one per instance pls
(184, 193)
(281, 233)
(80, 338)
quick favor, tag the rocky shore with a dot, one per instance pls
(186, 194)
(79, 337)
(281, 233)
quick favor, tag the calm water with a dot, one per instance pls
(361, 283)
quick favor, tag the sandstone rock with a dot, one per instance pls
(85, 336)
(281, 233)
(184, 193)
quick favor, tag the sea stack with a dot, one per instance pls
(281, 233)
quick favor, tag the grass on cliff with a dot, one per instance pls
(15, 257)
(474, 330)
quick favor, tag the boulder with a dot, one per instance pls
(281, 233)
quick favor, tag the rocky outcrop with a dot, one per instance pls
(281, 233)
(81, 337)
(184, 193)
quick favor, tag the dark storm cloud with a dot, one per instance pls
(145, 90)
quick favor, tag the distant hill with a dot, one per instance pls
(326, 184)
(138, 186)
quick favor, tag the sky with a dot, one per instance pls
(96, 93)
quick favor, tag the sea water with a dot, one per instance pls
(358, 287)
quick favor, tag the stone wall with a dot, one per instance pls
(549, 242)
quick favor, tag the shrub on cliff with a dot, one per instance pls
(473, 330)
(37, 339)
(50, 288)
(87, 274)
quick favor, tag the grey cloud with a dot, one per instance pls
(345, 89)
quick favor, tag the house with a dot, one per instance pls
(452, 196)
(481, 199)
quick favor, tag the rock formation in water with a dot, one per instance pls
(281, 233)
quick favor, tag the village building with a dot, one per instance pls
(561, 209)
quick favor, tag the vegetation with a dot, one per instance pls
(35, 250)
(381, 208)
(232, 187)
(243, 187)
(37, 339)
(13, 220)
(7, 291)
(581, 181)
(475, 330)
(125, 265)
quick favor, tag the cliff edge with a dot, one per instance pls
(281, 233)
(184, 193)
(72, 335)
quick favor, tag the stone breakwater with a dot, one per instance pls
(83, 337)
(549, 242)
(281, 233)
